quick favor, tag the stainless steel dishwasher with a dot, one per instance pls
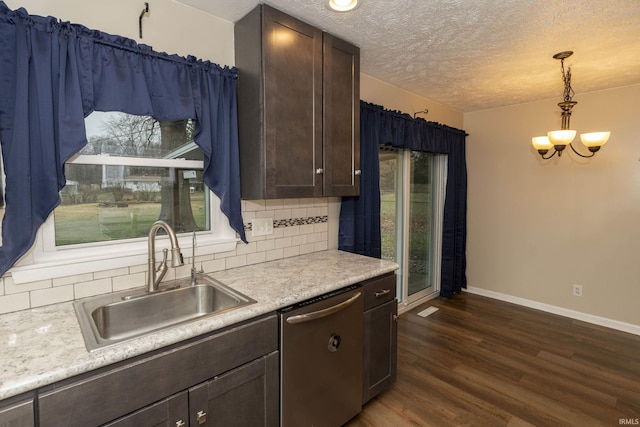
(321, 360)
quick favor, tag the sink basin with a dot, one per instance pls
(113, 318)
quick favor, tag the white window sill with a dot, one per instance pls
(113, 257)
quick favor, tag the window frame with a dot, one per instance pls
(45, 260)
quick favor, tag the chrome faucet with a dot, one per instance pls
(176, 257)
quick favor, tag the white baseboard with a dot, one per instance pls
(589, 318)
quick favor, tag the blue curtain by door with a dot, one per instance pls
(360, 219)
(53, 74)
(359, 230)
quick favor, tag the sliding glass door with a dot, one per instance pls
(419, 251)
(412, 197)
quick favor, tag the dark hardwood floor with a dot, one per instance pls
(483, 362)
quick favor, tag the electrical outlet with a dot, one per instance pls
(261, 226)
(577, 290)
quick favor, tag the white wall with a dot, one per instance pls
(537, 227)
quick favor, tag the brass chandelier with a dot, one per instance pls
(559, 139)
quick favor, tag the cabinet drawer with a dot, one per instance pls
(102, 397)
(379, 290)
(17, 412)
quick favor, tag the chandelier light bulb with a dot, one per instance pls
(541, 143)
(561, 137)
(595, 139)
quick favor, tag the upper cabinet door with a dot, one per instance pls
(293, 106)
(341, 73)
(298, 108)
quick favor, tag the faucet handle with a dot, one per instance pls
(163, 264)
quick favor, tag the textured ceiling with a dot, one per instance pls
(474, 55)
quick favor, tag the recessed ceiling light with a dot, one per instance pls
(342, 5)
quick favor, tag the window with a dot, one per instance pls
(133, 171)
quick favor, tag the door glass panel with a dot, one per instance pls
(389, 170)
(420, 223)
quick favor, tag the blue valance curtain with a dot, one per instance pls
(360, 216)
(53, 74)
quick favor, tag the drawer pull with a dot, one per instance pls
(382, 293)
(202, 417)
(180, 423)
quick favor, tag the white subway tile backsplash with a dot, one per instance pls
(282, 214)
(131, 281)
(274, 254)
(291, 203)
(248, 248)
(112, 273)
(291, 251)
(307, 203)
(299, 240)
(94, 287)
(226, 254)
(266, 245)
(306, 229)
(293, 230)
(16, 302)
(11, 288)
(236, 261)
(284, 242)
(273, 204)
(256, 258)
(320, 246)
(320, 227)
(51, 295)
(299, 213)
(213, 265)
(306, 249)
(137, 269)
(70, 280)
(254, 205)
(292, 236)
(265, 214)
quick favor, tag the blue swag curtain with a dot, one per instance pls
(360, 216)
(53, 74)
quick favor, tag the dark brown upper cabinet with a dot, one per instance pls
(298, 108)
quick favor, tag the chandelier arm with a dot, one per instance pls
(552, 154)
(581, 155)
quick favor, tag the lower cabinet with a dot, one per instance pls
(380, 336)
(245, 396)
(195, 383)
(170, 412)
(17, 412)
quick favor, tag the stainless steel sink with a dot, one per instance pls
(113, 318)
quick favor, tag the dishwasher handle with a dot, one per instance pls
(300, 318)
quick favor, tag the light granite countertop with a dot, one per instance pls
(44, 345)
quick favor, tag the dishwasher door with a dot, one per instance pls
(321, 360)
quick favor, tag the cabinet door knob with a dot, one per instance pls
(202, 417)
(357, 172)
(319, 171)
(180, 423)
(395, 317)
